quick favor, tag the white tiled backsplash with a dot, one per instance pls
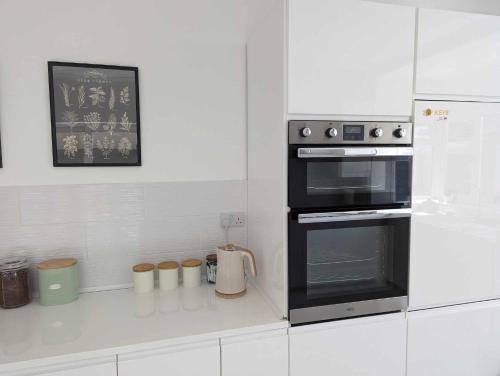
(110, 227)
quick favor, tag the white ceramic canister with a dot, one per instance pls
(191, 273)
(169, 275)
(144, 278)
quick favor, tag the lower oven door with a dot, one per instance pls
(347, 264)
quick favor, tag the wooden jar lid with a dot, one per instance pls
(57, 263)
(141, 268)
(166, 265)
(191, 263)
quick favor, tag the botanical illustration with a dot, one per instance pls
(124, 96)
(124, 146)
(70, 146)
(106, 146)
(81, 96)
(93, 120)
(66, 91)
(112, 99)
(97, 95)
(71, 118)
(95, 115)
(88, 146)
(126, 125)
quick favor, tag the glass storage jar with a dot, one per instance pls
(14, 282)
(211, 268)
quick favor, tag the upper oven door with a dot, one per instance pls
(346, 257)
(349, 177)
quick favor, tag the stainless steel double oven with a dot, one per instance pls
(349, 192)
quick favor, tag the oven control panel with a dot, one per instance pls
(349, 132)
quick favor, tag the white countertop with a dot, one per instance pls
(112, 322)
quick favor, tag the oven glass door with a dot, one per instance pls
(349, 178)
(347, 257)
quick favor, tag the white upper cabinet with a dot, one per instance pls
(458, 53)
(455, 236)
(455, 341)
(350, 57)
(370, 346)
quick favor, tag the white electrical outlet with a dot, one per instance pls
(228, 220)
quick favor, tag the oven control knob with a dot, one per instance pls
(305, 132)
(331, 132)
(377, 132)
(400, 133)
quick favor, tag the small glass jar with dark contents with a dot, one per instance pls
(14, 282)
(211, 268)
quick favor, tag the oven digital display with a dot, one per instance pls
(354, 132)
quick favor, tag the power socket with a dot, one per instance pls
(228, 220)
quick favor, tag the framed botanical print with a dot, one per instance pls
(94, 115)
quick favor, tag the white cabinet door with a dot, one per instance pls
(350, 57)
(97, 370)
(105, 366)
(183, 360)
(458, 53)
(257, 354)
(455, 247)
(358, 347)
(455, 341)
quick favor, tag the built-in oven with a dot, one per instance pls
(345, 264)
(350, 165)
(349, 194)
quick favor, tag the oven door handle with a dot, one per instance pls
(353, 152)
(353, 216)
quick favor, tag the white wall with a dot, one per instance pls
(191, 59)
(479, 6)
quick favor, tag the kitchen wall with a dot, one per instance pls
(191, 59)
(110, 227)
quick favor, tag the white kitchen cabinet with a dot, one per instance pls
(350, 57)
(365, 346)
(455, 341)
(104, 366)
(97, 370)
(257, 354)
(182, 360)
(458, 53)
(455, 242)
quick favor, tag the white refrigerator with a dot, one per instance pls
(455, 248)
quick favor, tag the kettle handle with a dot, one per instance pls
(251, 260)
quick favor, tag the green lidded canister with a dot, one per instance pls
(58, 281)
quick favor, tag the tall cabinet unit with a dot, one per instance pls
(312, 59)
(267, 153)
(350, 58)
(455, 245)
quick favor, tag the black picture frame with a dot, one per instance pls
(94, 145)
